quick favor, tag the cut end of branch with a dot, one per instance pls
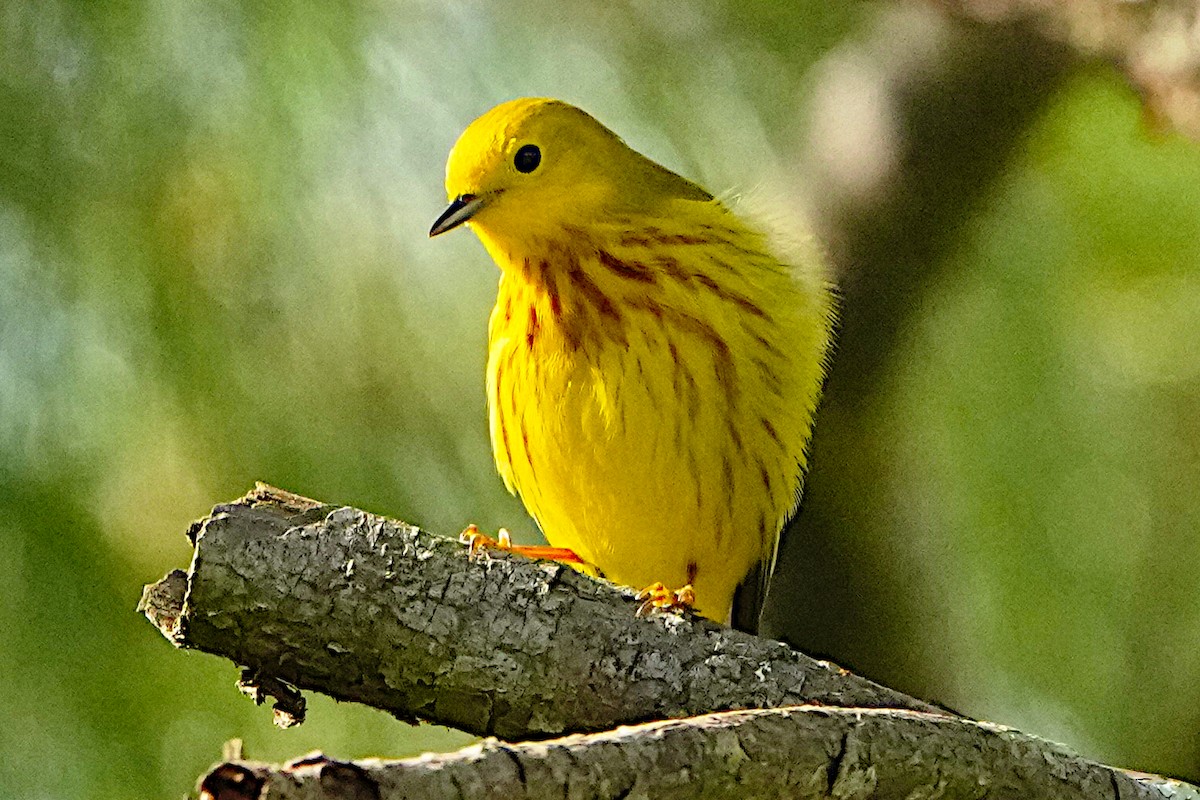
(162, 603)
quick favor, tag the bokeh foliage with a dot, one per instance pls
(214, 269)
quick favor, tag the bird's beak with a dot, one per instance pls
(461, 209)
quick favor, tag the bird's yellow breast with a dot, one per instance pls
(651, 387)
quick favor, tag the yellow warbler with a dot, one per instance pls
(654, 361)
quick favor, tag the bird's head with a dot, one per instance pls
(531, 167)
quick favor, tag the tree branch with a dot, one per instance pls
(367, 609)
(378, 612)
(799, 752)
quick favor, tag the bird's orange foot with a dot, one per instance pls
(657, 597)
(479, 542)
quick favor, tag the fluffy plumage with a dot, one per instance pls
(654, 361)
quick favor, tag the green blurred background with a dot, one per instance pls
(214, 269)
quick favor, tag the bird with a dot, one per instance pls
(655, 359)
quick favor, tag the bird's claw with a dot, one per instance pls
(478, 542)
(657, 597)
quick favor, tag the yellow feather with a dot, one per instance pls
(654, 361)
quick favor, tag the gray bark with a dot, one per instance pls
(799, 752)
(367, 609)
(378, 612)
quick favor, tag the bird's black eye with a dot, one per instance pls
(527, 158)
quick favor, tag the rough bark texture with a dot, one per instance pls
(368, 609)
(799, 752)
(378, 612)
